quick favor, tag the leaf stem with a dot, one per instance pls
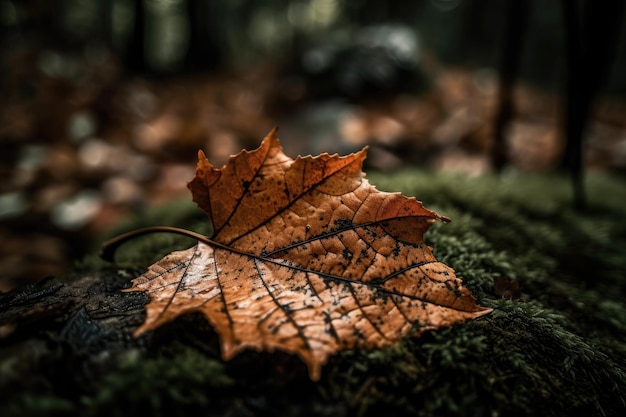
(110, 246)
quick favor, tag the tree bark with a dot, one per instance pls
(87, 312)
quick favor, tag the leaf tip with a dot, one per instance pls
(315, 372)
(205, 171)
(483, 312)
(272, 137)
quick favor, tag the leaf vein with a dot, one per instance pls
(289, 317)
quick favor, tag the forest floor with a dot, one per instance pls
(555, 344)
(83, 149)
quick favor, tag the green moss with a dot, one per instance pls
(34, 405)
(561, 346)
(557, 350)
(173, 383)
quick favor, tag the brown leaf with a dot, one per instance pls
(306, 257)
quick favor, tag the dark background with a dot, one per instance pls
(104, 103)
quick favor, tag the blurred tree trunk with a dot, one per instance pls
(135, 55)
(591, 32)
(203, 52)
(106, 23)
(512, 46)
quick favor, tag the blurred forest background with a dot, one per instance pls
(104, 103)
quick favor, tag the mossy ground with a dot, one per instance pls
(557, 348)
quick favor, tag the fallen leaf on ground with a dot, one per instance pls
(306, 257)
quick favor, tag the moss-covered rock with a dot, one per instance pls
(555, 345)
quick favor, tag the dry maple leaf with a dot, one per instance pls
(306, 257)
